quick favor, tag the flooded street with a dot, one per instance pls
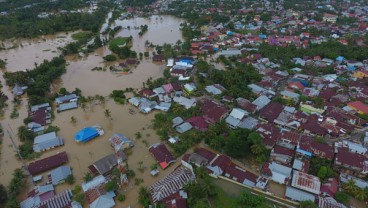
(161, 30)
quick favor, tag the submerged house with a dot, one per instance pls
(120, 142)
(59, 175)
(104, 165)
(48, 163)
(162, 155)
(88, 133)
(46, 141)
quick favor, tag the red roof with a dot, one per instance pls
(205, 153)
(39, 116)
(162, 155)
(350, 159)
(239, 174)
(222, 161)
(48, 163)
(198, 122)
(92, 194)
(322, 150)
(283, 151)
(213, 112)
(358, 105)
(271, 111)
(330, 187)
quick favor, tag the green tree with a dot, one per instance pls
(350, 186)
(107, 113)
(361, 194)
(342, 197)
(25, 135)
(144, 197)
(322, 173)
(3, 195)
(248, 199)
(111, 186)
(70, 179)
(88, 177)
(308, 204)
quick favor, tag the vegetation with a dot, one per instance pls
(2, 64)
(308, 204)
(248, 199)
(16, 184)
(118, 96)
(70, 179)
(358, 193)
(121, 197)
(88, 177)
(144, 197)
(24, 21)
(144, 29)
(111, 186)
(316, 164)
(110, 57)
(121, 47)
(3, 195)
(38, 80)
(342, 197)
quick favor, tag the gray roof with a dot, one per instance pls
(213, 90)
(46, 141)
(36, 107)
(177, 121)
(233, 122)
(248, 123)
(184, 127)
(298, 195)
(60, 174)
(256, 89)
(120, 141)
(261, 102)
(66, 98)
(186, 102)
(289, 94)
(67, 106)
(104, 201)
(106, 164)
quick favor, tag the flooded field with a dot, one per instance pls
(79, 75)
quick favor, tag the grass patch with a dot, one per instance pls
(223, 199)
(84, 35)
(116, 42)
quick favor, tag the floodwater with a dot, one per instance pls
(161, 30)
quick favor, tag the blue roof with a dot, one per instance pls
(340, 58)
(86, 134)
(263, 36)
(302, 81)
(351, 68)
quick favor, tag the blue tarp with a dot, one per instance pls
(302, 81)
(351, 68)
(263, 36)
(230, 33)
(86, 134)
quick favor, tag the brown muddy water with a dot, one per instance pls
(161, 30)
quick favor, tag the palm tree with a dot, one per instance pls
(73, 120)
(138, 135)
(350, 186)
(257, 149)
(361, 194)
(107, 113)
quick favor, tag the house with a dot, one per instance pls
(215, 89)
(248, 123)
(120, 142)
(361, 183)
(35, 127)
(282, 155)
(95, 182)
(186, 102)
(41, 114)
(104, 166)
(184, 127)
(49, 199)
(301, 164)
(278, 173)
(198, 122)
(190, 88)
(161, 154)
(298, 195)
(261, 102)
(351, 146)
(361, 74)
(329, 202)
(66, 99)
(88, 133)
(177, 121)
(329, 17)
(352, 161)
(38, 195)
(67, 106)
(48, 163)
(176, 200)
(158, 57)
(270, 134)
(246, 105)
(46, 141)
(98, 197)
(131, 62)
(330, 187)
(235, 117)
(306, 182)
(213, 112)
(271, 112)
(148, 93)
(288, 139)
(18, 90)
(172, 183)
(240, 175)
(359, 107)
(290, 95)
(59, 174)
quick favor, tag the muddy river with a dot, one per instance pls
(161, 29)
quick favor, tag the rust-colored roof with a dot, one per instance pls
(48, 163)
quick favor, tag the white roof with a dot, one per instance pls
(238, 113)
(170, 62)
(104, 201)
(306, 182)
(298, 195)
(279, 172)
(93, 183)
(186, 102)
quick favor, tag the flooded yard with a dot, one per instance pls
(161, 30)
